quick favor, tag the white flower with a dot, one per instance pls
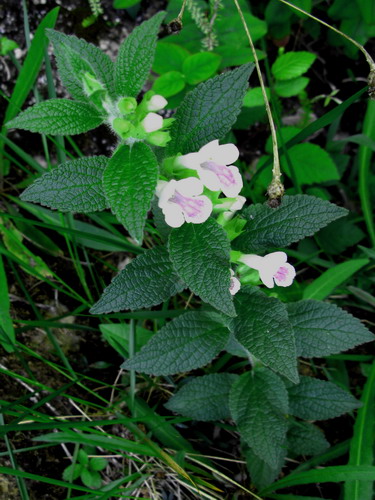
(213, 164)
(273, 268)
(235, 284)
(232, 206)
(152, 122)
(180, 201)
(156, 103)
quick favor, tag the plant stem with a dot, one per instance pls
(275, 189)
(369, 59)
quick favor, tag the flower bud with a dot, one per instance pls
(121, 127)
(90, 83)
(127, 105)
(159, 138)
(152, 122)
(156, 103)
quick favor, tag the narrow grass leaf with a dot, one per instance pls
(334, 474)
(326, 283)
(361, 446)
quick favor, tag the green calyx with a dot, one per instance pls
(127, 105)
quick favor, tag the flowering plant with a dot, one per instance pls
(178, 175)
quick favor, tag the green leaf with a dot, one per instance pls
(292, 65)
(339, 235)
(311, 164)
(325, 284)
(129, 183)
(334, 474)
(306, 439)
(75, 57)
(322, 329)
(169, 84)
(199, 67)
(31, 65)
(91, 479)
(263, 328)
(58, 117)
(200, 256)
(169, 56)
(7, 334)
(261, 474)
(361, 445)
(315, 399)
(82, 457)
(98, 463)
(209, 111)
(258, 402)
(75, 186)
(297, 217)
(124, 4)
(230, 30)
(204, 398)
(72, 472)
(147, 281)
(118, 335)
(135, 57)
(189, 341)
(292, 87)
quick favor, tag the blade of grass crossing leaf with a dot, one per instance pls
(325, 284)
(362, 442)
(5, 318)
(335, 474)
(31, 65)
(364, 155)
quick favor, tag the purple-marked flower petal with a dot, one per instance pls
(235, 284)
(273, 268)
(180, 203)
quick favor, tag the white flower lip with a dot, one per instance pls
(152, 122)
(235, 283)
(181, 202)
(273, 268)
(213, 165)
(156, 103)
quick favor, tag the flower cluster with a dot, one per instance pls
(182, 201)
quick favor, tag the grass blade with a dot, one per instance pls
(364, 155)
(361, 446)
(335, 474)
(6, 324)
(320, 288)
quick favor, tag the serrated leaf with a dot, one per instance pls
(311, 164)
(135, 57)
(297, 217)
(98, 463)
(306, 439)
(58, 117)
(72, 472)
(129, 183)
(292, 64)
(331, 278)
(75, 56)
(258, 402)
(204, 398)
(91, 479)
(190, 341)
(201, 66)
(209, 111)
(261, 474)
(74, 186)
(147, 281)
(263, 328)
(322, 329)
(292, 87)
(200, 256)
(340, 235)
(315, 399)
